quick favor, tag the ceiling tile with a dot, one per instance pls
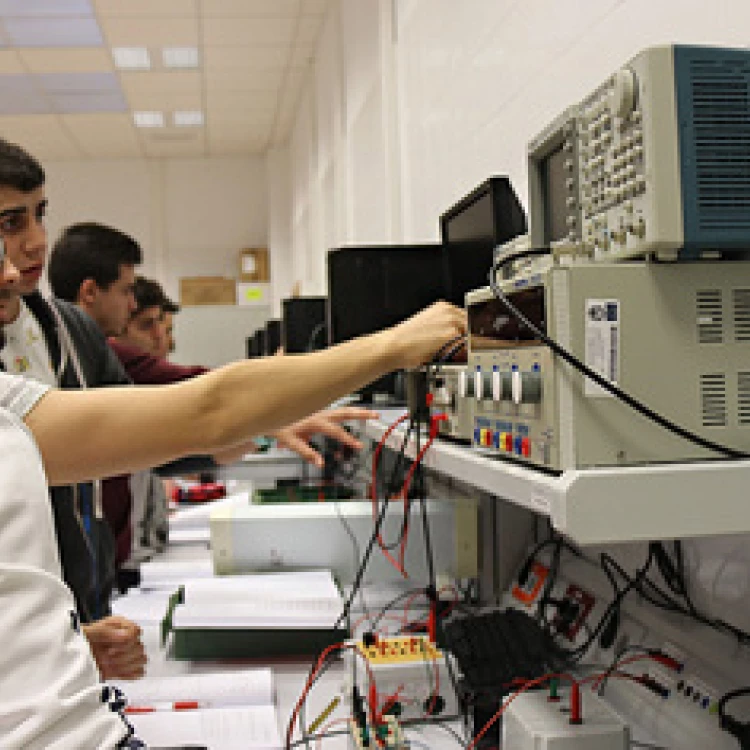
(53, 32)
(242, 101)
(19, 96)
(145, 8)
(75, 83)
(82, 60)
(39, 8)
(243, 79)
(10, 63)
(249, 8)
(69, 102)
(244, 32)
(41, 136)
(176, 31)
(253, 58)
(103, 135)
(174, 143)
(149, 100)
(168, 81)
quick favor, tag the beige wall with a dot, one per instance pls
(190, 215)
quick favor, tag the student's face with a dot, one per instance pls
(146, 330)
(111, 308)
(25, 235)
(167, 345)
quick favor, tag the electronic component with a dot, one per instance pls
(654, 161)
(674, 336)
(533, 722)
(452, 393)
(388, 735)
(412, 678)
(298, 536)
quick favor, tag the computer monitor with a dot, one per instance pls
(371, 288)
(490, 215)
(303, 324)
(273, 336)
(252, 346)
(261, 336)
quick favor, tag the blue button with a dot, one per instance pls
(517, 443)
(496, 440)
(477, 435)
(536, 367)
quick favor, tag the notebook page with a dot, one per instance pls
(242, 688)
(246, 728)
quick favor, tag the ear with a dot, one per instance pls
(87, 293)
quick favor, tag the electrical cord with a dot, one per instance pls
(357, 553)
(380, 519)
(740, 730)
(611, 388)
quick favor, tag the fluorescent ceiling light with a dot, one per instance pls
(188, 118)
(148, 119)
(131, 58)
(180, 57)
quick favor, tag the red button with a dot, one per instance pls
(508, 441)
(526, 447)
(488, 438)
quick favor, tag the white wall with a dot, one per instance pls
(191, 216)
(411, 103)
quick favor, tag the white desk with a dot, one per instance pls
(290, 677)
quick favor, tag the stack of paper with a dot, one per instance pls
(265, 614)
(223, 711)
(169, 574)
(189, 525)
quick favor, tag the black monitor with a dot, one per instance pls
(303, 324)
(371, 288)
(253, 346)
(260, 345)
(273, 336)
(490, 215)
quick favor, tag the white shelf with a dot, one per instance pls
(597, 506)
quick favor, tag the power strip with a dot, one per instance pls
(410, 674)
(533, 722)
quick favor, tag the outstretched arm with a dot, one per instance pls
(103, 432)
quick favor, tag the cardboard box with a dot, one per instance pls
(254, 264)
(207, 290)
(253, 295)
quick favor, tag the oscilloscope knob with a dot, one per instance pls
(622, 95)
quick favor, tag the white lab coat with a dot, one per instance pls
(50, 693)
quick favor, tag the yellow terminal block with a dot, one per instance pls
(400, 650)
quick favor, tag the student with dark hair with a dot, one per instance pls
(93, 267)
(55, 343)
(149, 327)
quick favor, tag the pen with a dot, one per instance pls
(166, 706)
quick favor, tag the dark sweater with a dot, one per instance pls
(88, 569)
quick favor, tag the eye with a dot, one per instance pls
(12, 223)
(41, 211)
